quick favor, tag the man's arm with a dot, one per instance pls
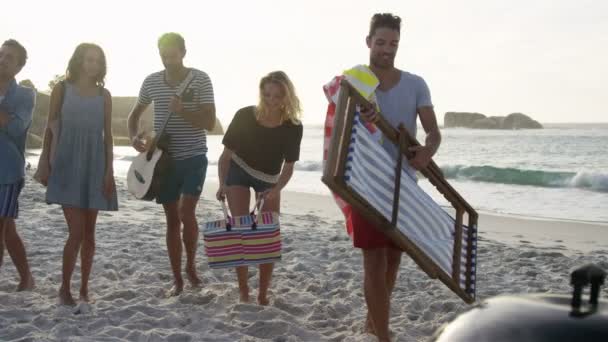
(428, 119)
(424, 153)
(17, 124)
(4, 119)
(133, 126)
(203, 118)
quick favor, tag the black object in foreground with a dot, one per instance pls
(538, 318)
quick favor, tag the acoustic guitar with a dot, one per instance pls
(149, 167)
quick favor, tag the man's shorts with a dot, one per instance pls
(366, 235)
(184, 177)
(9, 199)
(239, 177)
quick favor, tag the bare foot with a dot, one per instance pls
(87, 299)
(194, 279)
(176, 290)
(65, 298)
(263, 301)
(84, 297)
(27, 284)
(369, 326)
(244, 296)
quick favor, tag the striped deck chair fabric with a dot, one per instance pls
(420, 219)
(243, 240)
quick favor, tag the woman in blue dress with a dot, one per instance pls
(78, 171)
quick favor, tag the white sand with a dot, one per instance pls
(316, 293)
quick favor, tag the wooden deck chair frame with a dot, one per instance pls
(333, 177)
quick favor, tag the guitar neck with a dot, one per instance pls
(181, 89)
(160, 132)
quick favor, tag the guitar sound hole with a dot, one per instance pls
(139, 177)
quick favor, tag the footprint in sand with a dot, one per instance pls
(246, 307)
(124, 294)
(281, 304)
(529, 254)
(267, 330)
(197, 299)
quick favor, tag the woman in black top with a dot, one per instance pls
(261, 146)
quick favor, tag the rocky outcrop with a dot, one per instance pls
(480, 121)
(485, 123)
(121, 107)
(461, 119)
(519, 120)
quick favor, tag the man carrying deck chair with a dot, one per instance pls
(401, 97)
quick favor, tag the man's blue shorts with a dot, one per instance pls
(185, 177)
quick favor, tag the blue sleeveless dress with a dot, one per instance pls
(77, 173)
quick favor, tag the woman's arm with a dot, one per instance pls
(222, 171)
(107, 132)
(50, 132)
(108, 179)
(284, 178)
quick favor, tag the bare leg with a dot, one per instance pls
(242, 274)
(266, 269)
(187, 213)
(75, 219)
(2, 223)
(87, 252)
(265, 278)
(16, 250)
(238, 201)
(393, 261)
(174, 246)
(376, 290)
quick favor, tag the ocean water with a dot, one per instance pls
(557, 172)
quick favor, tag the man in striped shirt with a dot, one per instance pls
(193, 114)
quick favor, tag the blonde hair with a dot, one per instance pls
(291, 104)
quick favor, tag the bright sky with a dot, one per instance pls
(545, 58)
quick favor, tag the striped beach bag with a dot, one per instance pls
(243, 240)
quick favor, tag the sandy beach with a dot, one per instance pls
(317, 288)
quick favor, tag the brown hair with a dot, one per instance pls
(22, 52)
(387, 20)
(77, 60)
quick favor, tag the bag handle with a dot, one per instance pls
(259, 204)
(226, 216)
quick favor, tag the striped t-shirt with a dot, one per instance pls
(185, 140)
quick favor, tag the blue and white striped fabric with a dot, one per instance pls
(370, 171)
(185, 140)
(9, 199)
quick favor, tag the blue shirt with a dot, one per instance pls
(400, 104)
(18, 102)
